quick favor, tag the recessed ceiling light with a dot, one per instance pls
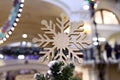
(24, 35)
(86, 7)
(95, 43)
(21, 57)
(24, 43)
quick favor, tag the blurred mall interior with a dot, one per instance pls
(20, 22)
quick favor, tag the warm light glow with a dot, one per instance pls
(109, 18)
(105, 17)
(67, 30)
(87, 28)
(98, 17)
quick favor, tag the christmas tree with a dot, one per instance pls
(58, 71)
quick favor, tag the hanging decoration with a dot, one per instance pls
(59, 45)
(15, 14)
(93, 5)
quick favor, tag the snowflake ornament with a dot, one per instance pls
(59, 45)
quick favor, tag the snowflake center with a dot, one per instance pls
(61, 40)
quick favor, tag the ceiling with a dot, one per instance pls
(30, 21)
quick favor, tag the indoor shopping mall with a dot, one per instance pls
(59, 39)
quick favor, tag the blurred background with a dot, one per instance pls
(19, 56)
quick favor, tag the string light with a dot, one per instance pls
(10, 32)
(21, 5)
(17, 19)
(18, 15)
(20, 10)
(12, 28)
(4, 39)
(15, 24)
(1, 41)
(7, 36)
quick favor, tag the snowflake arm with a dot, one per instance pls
(48, 55)
(75, 56)
(63, 23)
(81, 41)
(49, 28)
(76, 29)
(60, 56)
(43, 40)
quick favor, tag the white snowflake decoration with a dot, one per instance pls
(64, 46)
